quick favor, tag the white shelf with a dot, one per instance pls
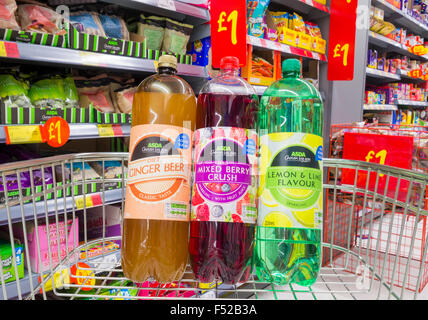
(52, 206)
(380, 107)
(405, 75)
(397, 16)
(412, 103)
(312, 8)
(382, 74)
(85, 59)
(391, 45)
(260, 89)
(277, 46)
(78, 131)
(173, 9)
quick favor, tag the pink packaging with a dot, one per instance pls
(163, 292)
(271, 34)
(73, 240)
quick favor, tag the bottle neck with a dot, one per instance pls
(230, 72)
(291, 74)
(167, 70)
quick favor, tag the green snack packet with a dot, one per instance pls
(71, 97)
(176, 37)
(14, 92)
(152, 29)
(48, 93)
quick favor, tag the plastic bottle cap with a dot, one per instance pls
(291, 65)
(168, 60)
(229, 63)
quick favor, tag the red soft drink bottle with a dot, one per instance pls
(224, 204)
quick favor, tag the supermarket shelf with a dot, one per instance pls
(85, 59)
(404, 75)
(29, 210)
(272, 45)
(308, 7)
(173, 9)
(80, 131)
(412, 103)
(27, 283)
(391, 45)
(382, 74)
(260, 89)
(380, 107)
(396, 16)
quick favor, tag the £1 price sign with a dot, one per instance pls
(56, 132)
(395, 151)
(228, 30)
(341, 46)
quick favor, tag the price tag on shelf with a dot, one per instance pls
(82, 202)
(90, 200)
(23, 134)
(3, 52)
(110, 130)
(56, 132)
(167, 4)
(9, 49)
(91, 59)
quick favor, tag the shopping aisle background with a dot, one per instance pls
(98, 65)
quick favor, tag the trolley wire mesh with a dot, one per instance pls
(371, 236)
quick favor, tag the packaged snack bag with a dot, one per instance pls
(256, 29)
(152, 29)
(124, 97)
(13, 91)
(7, 14)
(256, 10)
(176, 36)
(89, 23)
(313, 30)
(39, 19)
(297, 23)
(47, 92)
(280, 19)
(114, 27)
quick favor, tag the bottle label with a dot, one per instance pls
(159, 172)
(290, 181)
(225, 175)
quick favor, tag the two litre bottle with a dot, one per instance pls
(225, 174)
(288, 245)
(156, 215)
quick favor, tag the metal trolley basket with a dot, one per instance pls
(374, 244)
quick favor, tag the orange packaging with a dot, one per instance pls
(158, 173)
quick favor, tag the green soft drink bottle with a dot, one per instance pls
(290, 211)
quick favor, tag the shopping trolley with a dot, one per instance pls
(46, 207)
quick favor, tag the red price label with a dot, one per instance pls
(228, 30)
(56, 132)
(341, 50)
(419, 50)
(415, 73)
(395, 151)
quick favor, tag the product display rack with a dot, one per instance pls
(382, 75)
(64, 57)
(385, 44)
(401, 18)
(85, 131)
(335, 283)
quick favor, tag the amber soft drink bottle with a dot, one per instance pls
(224, 203)
(156, 215)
